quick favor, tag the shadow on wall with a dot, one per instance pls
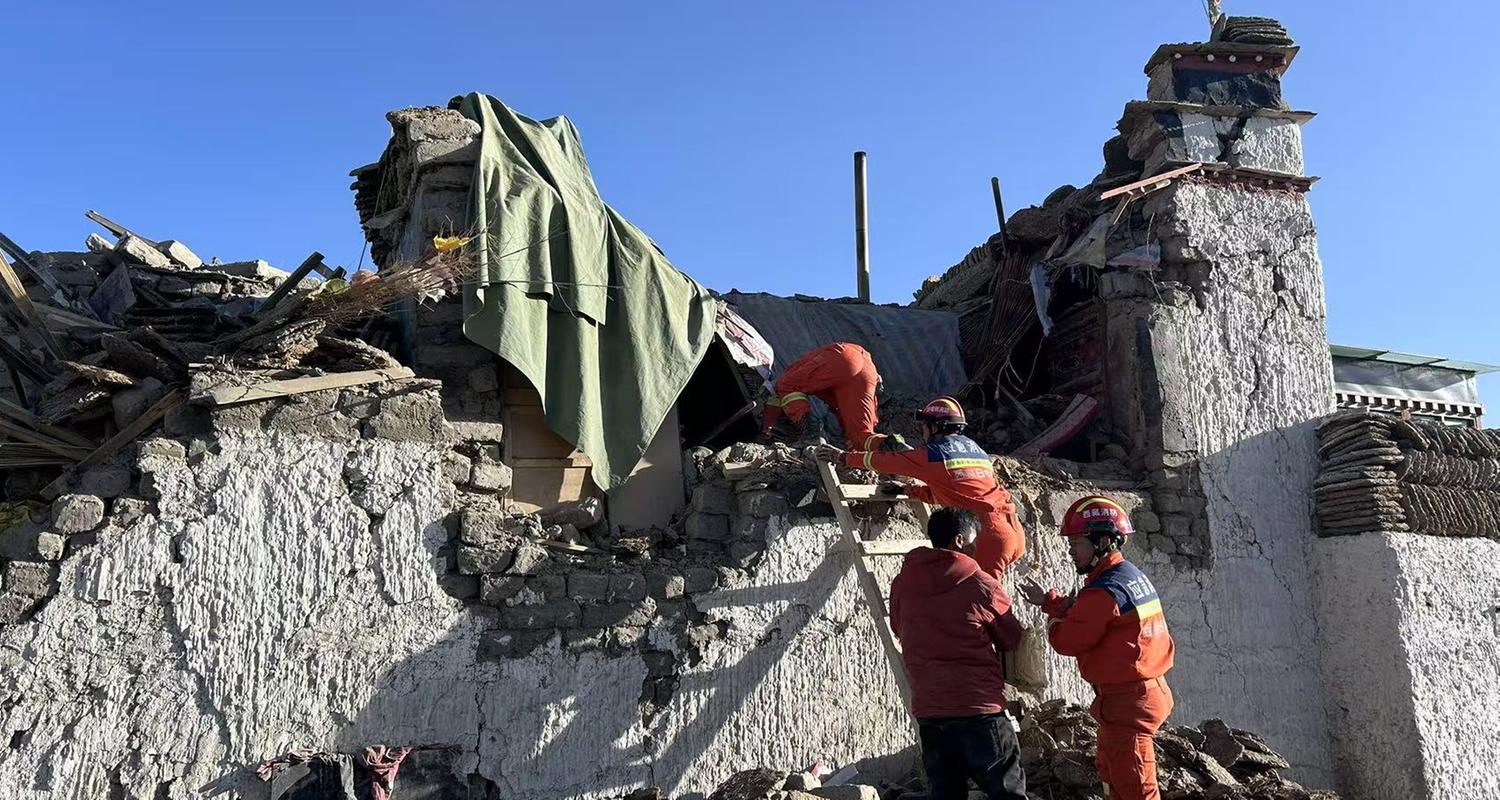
(778, 690)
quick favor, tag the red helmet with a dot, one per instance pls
(943, 411)
(1091, 514)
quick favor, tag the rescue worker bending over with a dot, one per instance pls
(952, 619)
(1116, 630)
(843, 376)
(956, 472)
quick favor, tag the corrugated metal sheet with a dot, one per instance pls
(917, 352)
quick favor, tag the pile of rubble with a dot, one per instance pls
(1251, 30)
(1381, 473)
(1212, 760)
(102, 344)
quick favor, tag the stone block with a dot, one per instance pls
(462, 587)
(495, 590)
(588, 586)
(578, 640)
(16, 607)
(548, 587)
(30, 578)
(490, 477)
(802, 782)
(581, 514)
(98, 244)
(477, 560)
(481, 528)
(626, 637)
(165, 449)
(1176, 527)
(410, 417)
(763, 503)
(187, 420)
(253, 269)
(50, 546)
(707, 527)
(745, 554)
(847, 791)
(135, 250)
(483, 379)
(749, 529)
(621, 613)
(126, 511)
(129, 404)
(711, 499)
(107, 481)
(1146, 521)
(456, 467)
(76, 513)
(180, 254)
(664, 585)
(558, 614)
(498, 645)
(627, 586)
(529, 558)
(700, 579)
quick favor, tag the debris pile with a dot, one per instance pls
(1382, 473)
(1251, 30)
(107, 342)
(1212, 760)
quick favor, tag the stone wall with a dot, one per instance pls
(1411, 663)
(307, 575)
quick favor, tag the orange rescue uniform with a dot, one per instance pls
(957, 472)
(1118, 633)
(843, 376)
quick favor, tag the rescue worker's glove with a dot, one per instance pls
(893, 444)
(890, 488)
(1033, 592)
(825, 452)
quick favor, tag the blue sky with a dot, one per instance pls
(725, 130)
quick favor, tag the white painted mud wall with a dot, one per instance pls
(266, 610)
(1411, 663)
(1242, 360)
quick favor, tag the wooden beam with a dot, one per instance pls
(68, 319)
(266, 390)
(43, 275)
(311, 263)
(116, 443)
(21, 415)
(21, 434)
(10, 282)
(116, 228)
(25, 363)
(870, 491)
(1152, 183)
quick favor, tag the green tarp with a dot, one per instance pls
(574, 296)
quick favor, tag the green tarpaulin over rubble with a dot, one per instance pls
(574, 296)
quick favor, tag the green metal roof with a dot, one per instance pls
(1408, 359)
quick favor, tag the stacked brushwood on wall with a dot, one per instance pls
(1381, 473)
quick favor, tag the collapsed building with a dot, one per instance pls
(493, 527)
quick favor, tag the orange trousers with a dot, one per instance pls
(843, 376)
(1129, 715)
(1001, 542)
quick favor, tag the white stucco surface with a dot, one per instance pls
(266, 610)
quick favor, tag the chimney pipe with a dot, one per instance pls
(861, 228)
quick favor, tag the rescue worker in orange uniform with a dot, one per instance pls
(843, 376)
(1116, 630)
(955, 471)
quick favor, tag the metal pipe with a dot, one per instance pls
(861, 228)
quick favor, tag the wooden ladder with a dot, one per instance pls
(841, 496)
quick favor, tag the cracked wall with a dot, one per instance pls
(290, 589)
(1230, 347)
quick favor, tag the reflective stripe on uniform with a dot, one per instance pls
(966, 463)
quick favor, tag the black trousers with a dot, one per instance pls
(983, 748)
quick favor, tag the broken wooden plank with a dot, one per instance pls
(1077, 415)
(311, 263)
(10, 282)
(22, 434)
(568, 547)
(1151, 184)
(114, 227)
(266, 390)
(24, 362)
(870, 491)
(68, 319)
(21, 415)
(116, 443)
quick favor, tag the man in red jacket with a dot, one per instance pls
(952, 618)
(955, 471)
(843, 376)
(1116, 630)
